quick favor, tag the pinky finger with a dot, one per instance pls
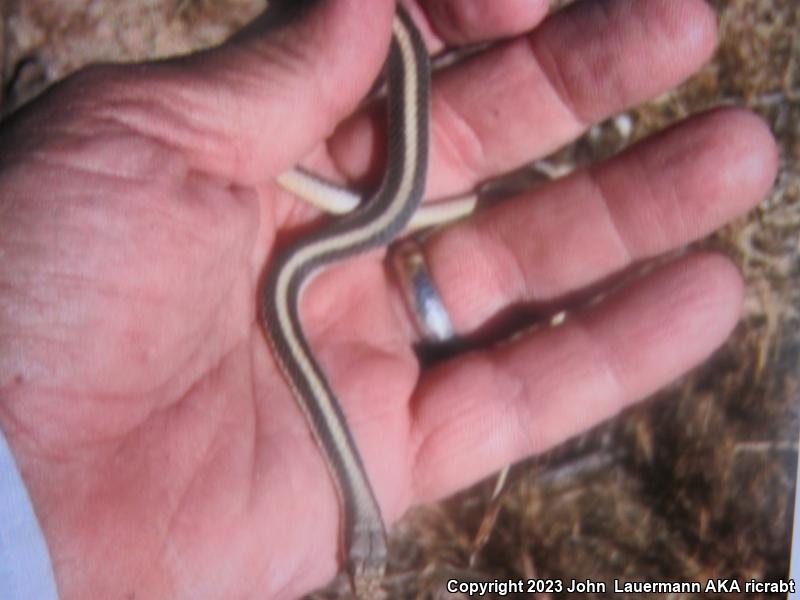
(489, 408)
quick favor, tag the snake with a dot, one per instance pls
(374, 223)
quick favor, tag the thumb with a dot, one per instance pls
(253, 107)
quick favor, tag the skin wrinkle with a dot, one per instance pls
(14, 426)
(278, 459)
(157, 209)
(344, 369)
(601, 355)
(286, 60)
(125, 96)
(703, 147)
(220, 441)
(484, 369)
(192, 358)
(285, 214)
(23, 368)
(664, 199)
(513, 286)
(190, 122)
(184, 129)
(163, 554)
(469, 22)
(187, 230)
(76, 283)
(172, 523)
(159, 389)
(458, 137)
(595, 181)
(104, 399)
(64, 455)
(673, 201)
(335, 104)
(28, 283)
(56, 346)
(59, 160)
(502, 273)
(206, 334)
(606, 16)
(528, 74)
(420, 439)
(610, 22)
(694, 291)
(135, 116)
(292, 480)
(549, 66)
(520, 401)
(550, 274)
(581, 344)
(207, 378)
(472, 235)
(257, 422)
(452, 19)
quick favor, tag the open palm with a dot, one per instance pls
(163, 452)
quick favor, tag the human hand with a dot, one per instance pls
(164, 455)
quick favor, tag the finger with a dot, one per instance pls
(487, 409)
(659, 195)
(253, 107)
(527, 97)
(458, 22)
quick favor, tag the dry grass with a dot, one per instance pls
(694, 484)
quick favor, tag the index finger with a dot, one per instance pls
(526, 97)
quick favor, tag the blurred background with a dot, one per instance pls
(696, 483)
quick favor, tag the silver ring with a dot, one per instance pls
(422, 299)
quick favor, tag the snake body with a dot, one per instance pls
(373, 224)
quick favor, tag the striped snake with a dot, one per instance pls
(374, 223)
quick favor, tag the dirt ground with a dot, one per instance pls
(696, 483)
